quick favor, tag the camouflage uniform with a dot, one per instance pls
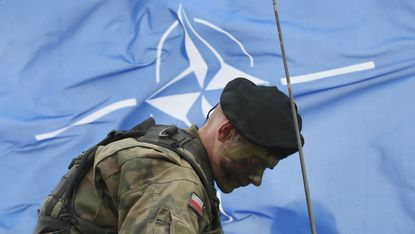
(137, 187)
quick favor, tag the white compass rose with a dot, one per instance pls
(179, 105)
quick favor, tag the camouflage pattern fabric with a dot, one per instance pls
(136, 187)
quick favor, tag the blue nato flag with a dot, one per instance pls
(71, 71)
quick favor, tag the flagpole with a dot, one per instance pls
(297, 129)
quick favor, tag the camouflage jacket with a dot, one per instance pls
(137, 187)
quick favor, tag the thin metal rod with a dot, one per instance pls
(297, 129)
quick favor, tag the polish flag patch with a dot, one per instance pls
(196, 203)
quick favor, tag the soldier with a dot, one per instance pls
(162, 182)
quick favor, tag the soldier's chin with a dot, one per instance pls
(226, 188)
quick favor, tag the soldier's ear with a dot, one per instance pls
(224, 131)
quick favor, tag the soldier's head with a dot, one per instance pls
(249, 131)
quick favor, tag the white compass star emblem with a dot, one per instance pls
(179, 105)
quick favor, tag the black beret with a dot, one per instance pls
(261, 114)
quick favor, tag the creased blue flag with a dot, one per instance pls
(71, 71)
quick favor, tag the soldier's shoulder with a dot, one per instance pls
(128, 149)
(129, 154)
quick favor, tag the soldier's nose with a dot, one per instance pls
(255, 180)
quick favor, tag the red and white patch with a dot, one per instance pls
(196, 203)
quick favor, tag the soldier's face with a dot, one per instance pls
(241, 164)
